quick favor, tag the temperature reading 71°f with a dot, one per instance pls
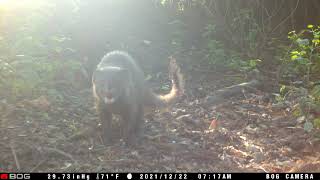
(101, 176)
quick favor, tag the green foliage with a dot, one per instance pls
(305, 53)
(315, 93)
(304, 59)
(244, 32)
(244, 65)
(307, 104)
(32, 56)
(282, 96)
(210, 29)
(308, 126)
(217, 54)
(316, 122)
(27, 76)
(244, 29)
(165, 88)
(218, 57)
(283, 90)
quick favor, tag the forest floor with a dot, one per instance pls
(245, 134)
(61, 133)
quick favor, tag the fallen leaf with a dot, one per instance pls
(213, 124)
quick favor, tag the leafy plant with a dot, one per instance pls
(305, 53)
(217, 54)
(32, 58)
(307, 104)
(245, 30)
(304, 59)
(218, 57)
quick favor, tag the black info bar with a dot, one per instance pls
(160, 176)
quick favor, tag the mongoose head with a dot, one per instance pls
(110, 83)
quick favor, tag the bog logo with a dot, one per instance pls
(4, 176)
(14, 176)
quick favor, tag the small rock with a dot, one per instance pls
(180, 112)
(134, 153)
(251, 130)
(253, 148)
(259, 157)
(174, 114)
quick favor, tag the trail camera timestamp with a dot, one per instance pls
(214, 176)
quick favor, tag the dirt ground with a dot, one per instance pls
(249, 133)
(246, 134)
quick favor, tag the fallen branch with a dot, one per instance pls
(60, 152)
(40, 163)
(224, 94)
(15, 156)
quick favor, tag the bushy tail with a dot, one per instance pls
(177, 90)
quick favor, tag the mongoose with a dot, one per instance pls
(119, 87)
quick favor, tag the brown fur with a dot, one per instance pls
(119, 75)
(177, 89)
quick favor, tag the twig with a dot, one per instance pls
(15, 156)
(82, 134)
(60, 152)
(40, 163)
(292, 12)
(263, 169)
